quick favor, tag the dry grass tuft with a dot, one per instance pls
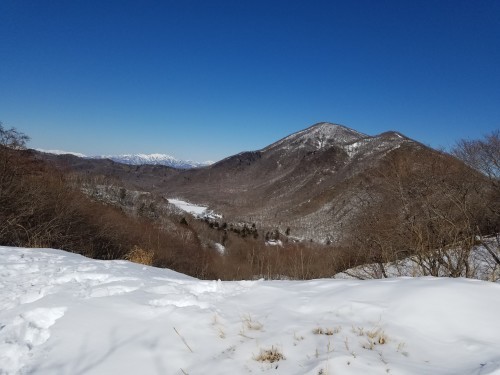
(375, 337)
(270, 355)
(327, 331)
(251, 324)
(141, 256)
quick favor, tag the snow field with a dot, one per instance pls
(65, 314)
(194, 209)
(188, 207)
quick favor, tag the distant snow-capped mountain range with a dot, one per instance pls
(139, 159)
(155, 159)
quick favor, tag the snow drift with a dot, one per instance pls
(61, 313)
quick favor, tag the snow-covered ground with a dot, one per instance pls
(61, 313)
(221, 249)
(274, 243)
(194, 209)
(191, 208)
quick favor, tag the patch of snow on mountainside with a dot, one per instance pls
(194, 209)
(368, 146)
(191, 208)
(221, 249)
(61, 152)
(353, 148)
(62, 313)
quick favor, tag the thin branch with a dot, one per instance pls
(183, 340)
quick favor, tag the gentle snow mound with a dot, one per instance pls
(104, 317)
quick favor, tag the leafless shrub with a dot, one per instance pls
(484, 155)
(438, 210)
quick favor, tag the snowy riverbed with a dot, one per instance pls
(61, 313)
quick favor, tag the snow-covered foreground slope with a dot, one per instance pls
(61, 313)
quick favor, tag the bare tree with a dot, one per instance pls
(12, 138)
(484, 155)
(12, 192)
(426, 208)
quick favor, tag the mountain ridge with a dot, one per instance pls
(311, 181)
(154, 159)
(307, 181)
(321, 132)
(137, 159)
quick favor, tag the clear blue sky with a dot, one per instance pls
(206, 79)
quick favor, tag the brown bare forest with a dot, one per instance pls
(440, 209)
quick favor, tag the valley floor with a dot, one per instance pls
(61, 313)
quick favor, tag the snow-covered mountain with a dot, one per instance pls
(318, 136)
(308, 181)
(138, 159)
(312, 181)
(154, 159)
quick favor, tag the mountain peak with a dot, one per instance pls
(320, 135)
(333, 130)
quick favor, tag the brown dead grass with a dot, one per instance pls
(270, 355)
(140, 255)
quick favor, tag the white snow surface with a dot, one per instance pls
(61, 313)
(221, 249)
(194, 209)
(191, 208)
(274, 243)
(62, 152)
